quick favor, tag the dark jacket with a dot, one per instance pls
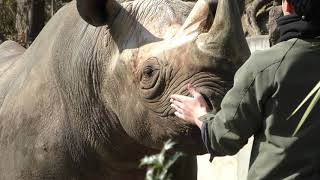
(267, 89)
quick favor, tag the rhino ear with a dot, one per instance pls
(98, 12)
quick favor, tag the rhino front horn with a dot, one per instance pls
(98, 12)
(225, 38)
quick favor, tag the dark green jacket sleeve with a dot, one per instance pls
(241, 111)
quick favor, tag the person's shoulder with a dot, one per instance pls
(263, 59)
(306, 45)
(303, 52)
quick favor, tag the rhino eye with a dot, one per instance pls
(151, 80)
(148, 70)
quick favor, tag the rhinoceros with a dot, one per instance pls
(90, 97)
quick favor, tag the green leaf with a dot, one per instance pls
(308, 111)
(150, 160)
(173, 159)
(159, 164)
(314, 90)
(168, 145)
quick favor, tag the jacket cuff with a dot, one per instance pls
(206, 118)
(206, 141)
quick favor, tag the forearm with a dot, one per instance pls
(226, 132)
(220, 138)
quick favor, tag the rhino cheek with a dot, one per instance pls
(142, 123)
(139, 124)
(130, 112)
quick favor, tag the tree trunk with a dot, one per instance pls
(22, 20)
(30, 19)
(37, 18)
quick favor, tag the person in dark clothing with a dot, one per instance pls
(267, 89)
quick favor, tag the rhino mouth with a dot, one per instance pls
(213, 90)
(209, 102)
(210, 86)
(213, 93)
(191, 144)
(213, 101)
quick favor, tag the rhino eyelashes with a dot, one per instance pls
(152, 87)
(150, 73)
(151, 83)
(149, 77)
(148, 70)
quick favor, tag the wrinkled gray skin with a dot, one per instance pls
(87, 102)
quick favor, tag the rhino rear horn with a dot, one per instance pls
(98, 12)
(200, 18)
(225, 38)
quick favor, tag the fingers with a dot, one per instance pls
(180, 98)
(193, 91)
(176, 107)
(188, 108)
(178, 112)
(177, 104)
(182, 114)
(179, 115)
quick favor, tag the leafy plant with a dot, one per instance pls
(159, 164)
(316, 91)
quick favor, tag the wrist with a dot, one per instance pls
(198, 122)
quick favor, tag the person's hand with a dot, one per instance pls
(189, 108)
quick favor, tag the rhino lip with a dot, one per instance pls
(211, 98)
(208, 101)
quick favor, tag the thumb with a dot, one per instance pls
(192, 91)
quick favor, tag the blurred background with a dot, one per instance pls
(22, 20)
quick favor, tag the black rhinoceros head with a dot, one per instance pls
(157, 49)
